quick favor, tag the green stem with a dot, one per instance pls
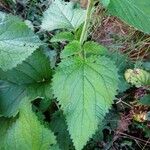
(87, 21)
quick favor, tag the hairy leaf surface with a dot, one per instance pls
(25, 133)
(134, 12)
(62, 15)
(17, 41)
(59, 126)
(72, 48)
(145, 100)
(63, 36)
(146, 65)
(138, 77)
(105, 2)
(122, 63)
(31, 78)
(94, 48)
(85, 89)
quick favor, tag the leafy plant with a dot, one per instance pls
(85, 82)
(21, 128)
(17, 41)
(138, 77)
(133, 12)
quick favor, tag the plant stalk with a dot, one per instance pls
(84, 33)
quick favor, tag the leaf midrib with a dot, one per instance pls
(69, 21)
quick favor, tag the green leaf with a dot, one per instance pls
(17, 41)
(137, 77)
(146, 66)
(72, 48)
(78, 32)
(105, 2)
(63, 36)
(31, 78)
(44, 104)
(55, 147)
(25, 133)
(91, 47)
(122, 63)
(143, 127)
(59, 126)
(62, 15)
(145, 100)
(134, 12)
(85, 89)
